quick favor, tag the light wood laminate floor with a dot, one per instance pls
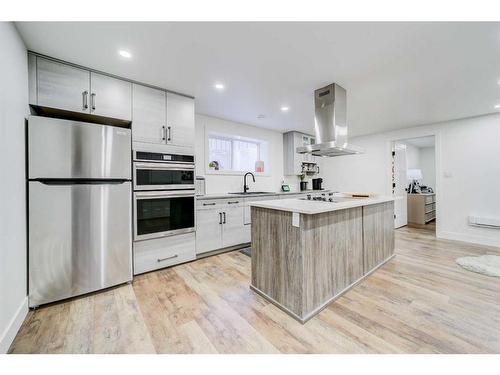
(419, 302)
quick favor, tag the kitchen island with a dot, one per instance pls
(307, 253)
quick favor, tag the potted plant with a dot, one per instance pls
(303, 184)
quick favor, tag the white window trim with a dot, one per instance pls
(232, 137)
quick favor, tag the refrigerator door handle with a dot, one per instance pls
(67, 182)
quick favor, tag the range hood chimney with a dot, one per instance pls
(330, 124)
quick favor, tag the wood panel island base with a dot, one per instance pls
(305, 253)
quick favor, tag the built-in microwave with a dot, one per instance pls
(163, 176)
(158, 171)
(163, 213)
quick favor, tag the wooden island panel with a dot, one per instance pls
(333, 244)
(378, 234)
(277, 253)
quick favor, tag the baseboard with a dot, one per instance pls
(464, 237)
(11, 330)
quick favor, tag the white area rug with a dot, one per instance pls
(485, 264)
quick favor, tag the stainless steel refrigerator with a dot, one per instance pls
(79, 208)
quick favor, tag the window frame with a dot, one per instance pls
(234, 137)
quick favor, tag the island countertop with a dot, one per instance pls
(311, 207)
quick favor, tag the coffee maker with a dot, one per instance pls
(317, 183)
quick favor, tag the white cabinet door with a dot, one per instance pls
(110, 97)
(62, 86)
(149, 117)
(180, 120)
(234, 232)
(208, 230)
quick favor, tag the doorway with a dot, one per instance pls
(414, 182)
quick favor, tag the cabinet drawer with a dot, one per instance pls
(158, 253)
(430, 215)
(429, 199)
(430, 207)
(247, 219)
(209, 204)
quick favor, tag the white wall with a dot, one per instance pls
(13, 109)
(412, 156)
(467, 172)
(427, 164)
(215, 184)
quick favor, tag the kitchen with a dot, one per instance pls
(165, 218)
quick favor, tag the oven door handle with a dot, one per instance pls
(164, 166)
(156, 195)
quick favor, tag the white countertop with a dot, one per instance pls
(252, 195)
(316, 207)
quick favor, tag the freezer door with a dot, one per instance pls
(70, 149)
(80, 239)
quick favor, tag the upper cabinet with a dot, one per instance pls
(61, 86)
(161, 117)
(110, 97)
(149, 115)
(291, 158)
(180, 120)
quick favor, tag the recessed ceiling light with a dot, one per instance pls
(284, 108)
(219, 86)
(125, 54)
(497, 106)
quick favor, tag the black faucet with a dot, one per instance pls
(245, 186)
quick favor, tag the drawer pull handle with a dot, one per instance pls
(209, 204)
(168, 258)
(233, 202)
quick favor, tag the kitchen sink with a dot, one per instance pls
(252, 192)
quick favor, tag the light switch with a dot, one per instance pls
(447, 174)
(295, 219)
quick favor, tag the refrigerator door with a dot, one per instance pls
(80, 238)
(62, 149)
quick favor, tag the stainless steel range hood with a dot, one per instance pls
(330, 124)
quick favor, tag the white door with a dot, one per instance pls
(208, 230)
(62, 86)
(149, 121)
(400, 180)
(110, 97)
(180, 120)
(234, 231)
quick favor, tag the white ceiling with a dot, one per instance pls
(396, 74)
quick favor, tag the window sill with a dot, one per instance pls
(234, 173)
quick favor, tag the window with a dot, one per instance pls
(236, 154)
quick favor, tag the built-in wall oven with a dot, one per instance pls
(163, 213)
(164, 195)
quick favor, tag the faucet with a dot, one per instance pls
(245, 186)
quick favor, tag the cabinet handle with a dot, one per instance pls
(85, 95)
(159, 260)
(224, 222)
(220, 217)
(163, 132)
(233, 202)
(92, 101)
(209, 204)
(169, 133)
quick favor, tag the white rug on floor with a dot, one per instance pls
(485, 264)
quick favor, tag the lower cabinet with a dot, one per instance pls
(220, 224)
(162, 252)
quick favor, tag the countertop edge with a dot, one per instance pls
(321, 207)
